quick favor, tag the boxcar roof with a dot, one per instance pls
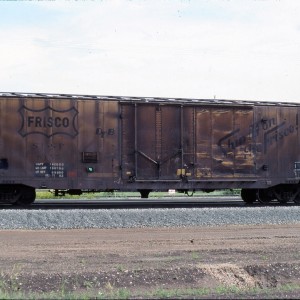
(193, 101)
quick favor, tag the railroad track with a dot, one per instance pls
(137, 203)
(141, 213)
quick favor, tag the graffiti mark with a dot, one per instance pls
(231, 144)
(271, 135)
(277, 134)
(264, 124)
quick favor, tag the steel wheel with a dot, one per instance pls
(27, 196)
(265, 196)
(284, 197)
(297, 199)
(248, 195)
(286, 194)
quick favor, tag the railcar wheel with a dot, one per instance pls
(297, 199)
(265, 196)
(284, 197)
(283, 201)
(248, 195)
(27, 196)
(285, 194)
(9, 194)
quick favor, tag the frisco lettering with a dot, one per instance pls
(45, 122)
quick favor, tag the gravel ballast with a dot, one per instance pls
(132, 218)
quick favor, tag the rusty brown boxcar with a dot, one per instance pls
(75, 143)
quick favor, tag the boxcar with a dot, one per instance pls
(75, 143)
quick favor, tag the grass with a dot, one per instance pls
(179, 293)
(11, 283)
(120, 268)
(195, 255)
(110, 292)
(11, 288)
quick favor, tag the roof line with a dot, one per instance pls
(148, 99)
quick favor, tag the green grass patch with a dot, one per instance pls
(46, 194)
(110, 292)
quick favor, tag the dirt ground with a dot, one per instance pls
(218, 262)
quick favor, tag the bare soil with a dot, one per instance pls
(254, 260)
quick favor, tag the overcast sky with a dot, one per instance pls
(193, 49)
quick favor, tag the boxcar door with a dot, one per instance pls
(151, 141)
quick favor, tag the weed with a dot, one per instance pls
(121, 268)
(195, 255)
(165, 293)
(63, 288)
(289, 287)
(178, 293)
(109, 287)
(223, 290)
(111, 293)
(169, 259)
(9, 283)
(264, 257)
(88, 285)
(122, 294)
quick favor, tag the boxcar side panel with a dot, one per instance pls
(127, 146)
(242, 143)
(277, 131)
(145, 142)
(266, 124)
(222, 128)
(203, 136)
(172, 142)
(287, 141)
(59, 143)
(12, 145)
(224, 143)
(50, 132)
(98, 152)
(189, 141)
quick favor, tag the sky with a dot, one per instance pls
(224, 49)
